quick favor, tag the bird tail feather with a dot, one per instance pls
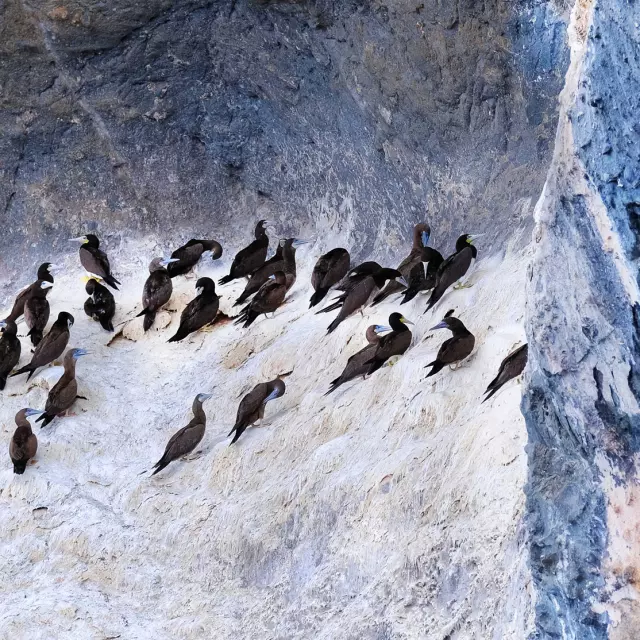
(149, 319)
(318, 295)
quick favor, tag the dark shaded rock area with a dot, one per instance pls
(167, 117)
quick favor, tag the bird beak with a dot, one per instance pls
(205, 396)
(298, 243)
(440, 325)
(167, 261)
(82, 239)
(425, 238)
(402, 281)
(272, 277)
(381, 328)
(46, 285)
(33, 412)
(405, 321)
(81, 352)
(3, 324)
(474, 237)
(54, 268)
(272, 396)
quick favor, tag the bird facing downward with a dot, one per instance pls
(454, 349)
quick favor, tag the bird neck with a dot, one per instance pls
(198, 411)
(289, 255)
(70, 367)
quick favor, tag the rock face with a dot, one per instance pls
(346, 121)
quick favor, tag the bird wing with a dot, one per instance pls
(409, 262)
(62, 395)
(393, 344)
(269, 297)
(455, 349)
(198, 313)
(512, 366)
(36, 313)
(185, 440)
(356, 363)
(453, 268)
(357, 296)
(51, 346)
(251, 403)
(95, 261)
(157, 290)
(251, 257)
(188, 254)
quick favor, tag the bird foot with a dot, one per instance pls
(195, 456)
(461, 285)
(68, 414)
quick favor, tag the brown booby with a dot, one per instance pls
(46, 272)
(250, 258)
(252, 406)
(100, 306)
(511, 367)
(24, 444)
(261, 274)
(419, 280)
(157, 290)
(454, 267)
(10, 349)
(36, 311)
(94, 260)
(189, 254)
(201, 311)
(269, 297)
(289, 259)
(392, 344)
(454, 349)
(64, 392)
(330, 269)
(358, 363)
(421, 233)
(358, 273)
(360, 293)
(188, 438)
(51, 347)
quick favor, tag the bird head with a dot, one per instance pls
(201, 397)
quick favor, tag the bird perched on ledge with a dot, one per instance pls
(24, 444)
(36, 311)
(10, 349)
(330, 269)
(269, 297)
(186, 439)
(511, 367)
(94, 260)
(252, 406)
(454, 349)
(157, 290)
(251, 257)
(393, 344)
(201, 311)
(419, 280)
(45, 274)
(100, 306)
(189, 254)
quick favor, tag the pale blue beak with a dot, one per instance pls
(32, 412)
(46, 285)
(402, 281)
(79, 353)
(381, 328)
(298, 243)
(3, 324)
(440, 325)
(165, 261)
(425, 238)
(272, 396)
(204, 396)
(78, 239)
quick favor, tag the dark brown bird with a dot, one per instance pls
(188, 438)
(250, 258)
(24, 444)
(51, 347)
(45, 274)
(421, 233)
(94, 260)
(10, 349)
(419, 280)
(189, 254)
(289, 259)
(157, 290)
(393, 344)
(64, 392)
(358, 273)
(270, 296)
(261, 274)
(36, 311)
(201, 311)
(252, 406)
(511, 367)
(100, 306)
(454, 267)
(454, 349)
(330, 269)
(360, 294)
(358, 363)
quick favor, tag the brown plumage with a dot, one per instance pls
(252, 406)
(419, 280)
(330, 269)
(44, 275)
(94, 260)
(511, 367)
(454, 349)
(453, 268)
(289, 259)
(358, 363)
(421, 233)
(24, 444)
(270, 296)
(189, 254)
(36, 311)
(250, 258)
(101, 306)
(51, 347)
(359, 295)
(188, 438)
(392, 344)
(10, 349)
(201, 311)
(157, 291)
(64, 392)
(261, 274)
